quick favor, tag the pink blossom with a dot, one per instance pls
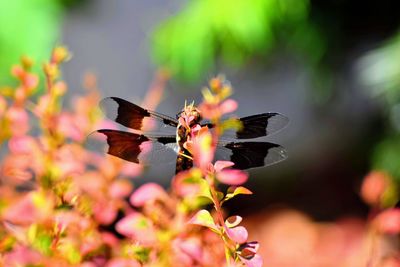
(147, 193)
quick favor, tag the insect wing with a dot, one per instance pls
(133, 116)
(248, 155)
(136, 148)
(259, 125)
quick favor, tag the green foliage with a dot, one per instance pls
(387, 156)
(27, 27)
(189, 43)
(379, 71)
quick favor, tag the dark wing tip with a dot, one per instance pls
(263, 124)
(248, 155)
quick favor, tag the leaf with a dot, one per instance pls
(137, 227)
(204, 218)
(233, 221)
(147, 193)
(254, 261)
(233, 191)
(232, 177)
(205, 190)
(237, 234)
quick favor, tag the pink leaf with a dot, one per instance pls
(255, 261)
(191, 247)
(19, 120)
(147, 193)
(120, 188)
(222, 164)
(22, 144)
(131, 170)
(187, 183)
(121, 262)
(238, 234)
(232, 177)
(138, 228)
(21, 256)
(33, 207)
(105, 212)
(228, 106)
(203, 149)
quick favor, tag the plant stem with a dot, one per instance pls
(218, 209)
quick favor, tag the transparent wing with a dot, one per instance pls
(136, 148)
(248, 155)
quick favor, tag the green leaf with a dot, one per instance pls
(386, 157)
(234, 191)
(204, 218)
(217, 30)
(205, 190)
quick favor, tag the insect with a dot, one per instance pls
(140, 147)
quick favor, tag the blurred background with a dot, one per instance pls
(331, 66)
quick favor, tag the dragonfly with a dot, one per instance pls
(139, 146)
